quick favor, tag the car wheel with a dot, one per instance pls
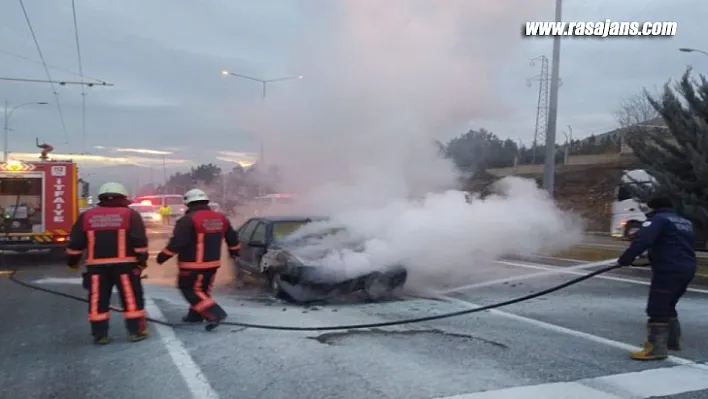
(275, 287)
(377, 287)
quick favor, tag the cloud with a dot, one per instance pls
(97, 160)
(143, 151)
(241, 158)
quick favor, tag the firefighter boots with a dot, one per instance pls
(674, 342)
(192, 317)
(655, 346)
(141, 335)
(217, 316)
(101, 340)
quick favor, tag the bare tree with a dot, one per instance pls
(632, 113)
(635, 110)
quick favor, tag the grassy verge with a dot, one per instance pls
(593, 254)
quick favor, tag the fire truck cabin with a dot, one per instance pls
(38, 203)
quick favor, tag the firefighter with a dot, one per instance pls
(669, 240)
(114, 238)
(196, 240)
(165, 212)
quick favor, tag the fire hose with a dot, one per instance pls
(613, 266)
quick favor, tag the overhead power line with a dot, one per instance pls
(59, 82)
(46, 69)
(58, 68)
(81, 73)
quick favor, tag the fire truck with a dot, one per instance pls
(39, 202)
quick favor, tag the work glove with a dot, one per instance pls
(162, 258)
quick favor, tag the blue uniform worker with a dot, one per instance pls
(669, 240)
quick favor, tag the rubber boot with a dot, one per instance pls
(674, 342)
(655, 346)
(99, 331)
(192, 317)
(215, 316)
(137, 334)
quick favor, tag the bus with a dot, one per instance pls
(628, 213)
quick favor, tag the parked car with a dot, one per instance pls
(150, 213)
(292, 267)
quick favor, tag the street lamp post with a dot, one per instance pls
(264, 83)
(692, 50)
(6, 127)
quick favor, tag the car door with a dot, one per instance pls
(245, 257)
(256, 253)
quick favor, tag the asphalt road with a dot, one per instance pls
(571, 344)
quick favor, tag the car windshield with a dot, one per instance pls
(283, 229)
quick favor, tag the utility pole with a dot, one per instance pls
(543, 79)
(164, 172)
(549, 169)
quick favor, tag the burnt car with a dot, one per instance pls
(294, 266)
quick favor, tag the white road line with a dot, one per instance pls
(555, 258)
(575, 333)
(637, 385)
(520, 278)
(193, 376)
(563, 270)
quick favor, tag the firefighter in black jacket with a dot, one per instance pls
(669, 239)
(196, 240)
(116, 245)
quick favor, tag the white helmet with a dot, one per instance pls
(194, 195)
(112, 189)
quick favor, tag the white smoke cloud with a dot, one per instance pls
(442, 233)
(355, 137)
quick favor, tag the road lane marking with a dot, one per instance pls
(547, 272)
(569, 331)
(554, 258)
(193, 376)
(564, 270)
(662, 381)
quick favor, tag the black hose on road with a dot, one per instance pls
(13, 278)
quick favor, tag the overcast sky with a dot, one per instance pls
(164, 58)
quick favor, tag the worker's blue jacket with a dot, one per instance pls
(669, 239)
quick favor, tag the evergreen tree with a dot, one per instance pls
(678, 161)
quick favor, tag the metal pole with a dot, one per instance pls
(569, 140)
(550, 164)
(5, 131)
(164, 173)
